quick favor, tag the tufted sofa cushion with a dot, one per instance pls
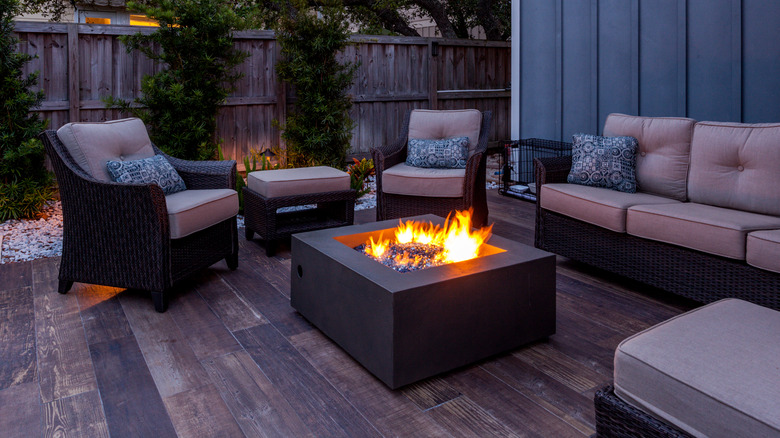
(735, 165)
(664, 151)
(436, 125)
(93, 144)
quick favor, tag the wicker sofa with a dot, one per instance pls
(704, 223)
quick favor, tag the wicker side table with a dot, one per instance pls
(269, 190)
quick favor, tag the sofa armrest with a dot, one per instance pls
(551, 170)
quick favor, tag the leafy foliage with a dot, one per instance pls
(359, 172)
(318, 130)
(25, 184)
(179, 104)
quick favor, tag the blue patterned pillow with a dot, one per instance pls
(608, 162)
(448, 153)
(154, 169)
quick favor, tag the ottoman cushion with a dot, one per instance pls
(298, 181)
(710, 372)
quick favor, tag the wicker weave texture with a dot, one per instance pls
(617, 419)
(689, 273)
(334, 209)
(391, 206)
(119, 235)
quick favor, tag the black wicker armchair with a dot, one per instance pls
(119, 234)
(393, 206)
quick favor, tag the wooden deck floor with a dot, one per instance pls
(230, 357)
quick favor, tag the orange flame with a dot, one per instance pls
(457, 239)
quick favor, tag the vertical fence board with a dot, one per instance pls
(81, 64)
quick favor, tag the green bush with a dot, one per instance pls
(25, 184)
(179, 104)
(318, 130)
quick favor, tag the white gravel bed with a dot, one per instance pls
(23, 240)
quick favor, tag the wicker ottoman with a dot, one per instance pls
(269, 190)
(709, 372)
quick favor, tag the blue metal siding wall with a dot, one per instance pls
(705, 59)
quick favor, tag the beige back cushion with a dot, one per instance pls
(93, 144)
(434, 125)
(664, 151)
(736, 165)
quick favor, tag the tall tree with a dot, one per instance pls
(180, 103)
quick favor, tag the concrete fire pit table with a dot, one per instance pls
(404, 327)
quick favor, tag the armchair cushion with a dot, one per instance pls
(154, 169)
(93, 144)
(448, 153)
(435, 125)
(191, 211)
(402, 179)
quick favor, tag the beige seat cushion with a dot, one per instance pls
(414, 181)
(93, 144)
(763, 250)
(735, 165)
(715, 230)
(298, 181)
(664, 151)
(594, 205)
(711, 372)
(432, 124)
(190, 211)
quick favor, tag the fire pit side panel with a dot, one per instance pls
(346, 306)
(466, 319)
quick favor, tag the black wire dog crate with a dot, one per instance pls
(517, 164)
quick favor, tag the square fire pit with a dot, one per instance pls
(404, 327)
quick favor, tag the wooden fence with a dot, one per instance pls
(81, 63)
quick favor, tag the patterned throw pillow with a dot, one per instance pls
(608, 162)
(448, 153)
(154, 169)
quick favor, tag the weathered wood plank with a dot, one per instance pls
(231, 307)
(132, 404)
(389, 411)
(464, 418)
(488, 402)
(429, 393)
(545, 391)
(200, 412)
(320, 405)
(20, 410)
(15, 275)
(175, 367)
(17, 337)
(77, 416)
(205, 333)
(256, 404)
(64, 366)
(101, 312)
(265, 298)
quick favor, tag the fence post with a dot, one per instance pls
(281, 95)
(74, 97)
(433, 75)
